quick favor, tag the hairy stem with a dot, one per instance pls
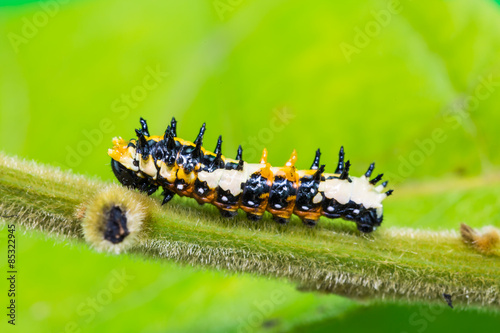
(333, 257)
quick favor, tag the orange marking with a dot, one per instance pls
(292, 160)
(119, 148)
(227, 207)
(283, 213)
(263, 159)
(266, 171)
(208, 198)
(310, 215)
(289, 172)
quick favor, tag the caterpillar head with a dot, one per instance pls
(355, 199)
(126, 167)
(135, 162)
(366, 219)
(365, 205)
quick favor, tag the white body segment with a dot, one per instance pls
(212, 178)
(230, 180)
(359, 190)
(147, 166)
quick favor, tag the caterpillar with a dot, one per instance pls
(188, 169)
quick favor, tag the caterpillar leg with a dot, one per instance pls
(309, 222)
(167, 195)
(254, 217)
(281, 219)
(227, 213)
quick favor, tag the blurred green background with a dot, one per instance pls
(413, 85)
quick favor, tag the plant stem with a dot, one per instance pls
(332, 257)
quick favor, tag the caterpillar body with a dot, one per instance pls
(187, 169)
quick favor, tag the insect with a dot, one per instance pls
(188, 169)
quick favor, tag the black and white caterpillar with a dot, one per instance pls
(187, 169)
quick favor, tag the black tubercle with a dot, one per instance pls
(173, 127)
(239, 153)
(169, 147)
(368, 173)
(239, 167)
(345, 172)
(196, 154)
(211, 162)
(116, 225)
(142, 144)
(376, 179)
(218, 146)
(217, 163)
(199, 138)
(315, 164)
(340, 165)
(144, 126)
(319, 172)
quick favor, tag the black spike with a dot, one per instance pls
(142, 145)
(166, 136)
(167, 131)
(240, 166)
(199, 138)
(196, 153)
(216, 163)
(345, 172)
(168, 139)
(239, 153)
(368, 173)
(141, 142)
(340, 166)
(173, 125)
(171, 142)
(376, 179)
(315, 164)
(388, 193)
(144, 126)
(138, 133)
(319, 172)
(384, 184)
(218, 158)
(218, 146)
